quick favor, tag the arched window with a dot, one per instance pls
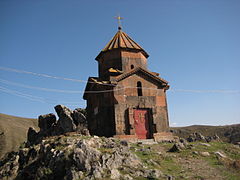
(132, 66)
(139, 88)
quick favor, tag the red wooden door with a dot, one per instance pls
(141, 123)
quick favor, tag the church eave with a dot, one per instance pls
(94, 84)
(123, 49)
(149, 74)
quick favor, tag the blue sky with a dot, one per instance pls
(193, 44)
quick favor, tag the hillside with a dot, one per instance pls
(228, 133)
(13, 132)
(73, 156)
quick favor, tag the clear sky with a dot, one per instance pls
(193, 44)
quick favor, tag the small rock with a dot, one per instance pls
(236, 164)
(75, 175)
(219, 154)
(127, 177)
(97, 173)
(115, 174)
(154, 173)
(195, 152)
(205, 144)
(124, 143)
(183, 141)
(237, 143)
(169, 177)
(205, 154)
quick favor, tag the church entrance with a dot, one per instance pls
(141, 122)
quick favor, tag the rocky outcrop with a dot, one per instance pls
(65, 122)
(177, 147)
(76, 157)
(69, 121)
(46, 121)
(199, 137)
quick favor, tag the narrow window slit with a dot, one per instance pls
(139, 88)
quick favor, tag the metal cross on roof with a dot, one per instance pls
(119, 18)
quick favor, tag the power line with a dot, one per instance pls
(38, 88)
(48, 76)
(118, 89)
(54, 90)
(39, 74)
(36, 98)
(17, 93)
(102, 91)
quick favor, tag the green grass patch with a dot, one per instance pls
(106, 150)
(46, 171)
(170, 166)
(60, 147)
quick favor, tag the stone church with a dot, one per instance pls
(126, 100)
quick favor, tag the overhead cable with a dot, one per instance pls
(36, 98)
(102, 91)
(48, 76)
(39, 74)
(54, 90)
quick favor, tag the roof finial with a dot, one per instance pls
(119, 18)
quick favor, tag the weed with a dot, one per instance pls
(106, 150)
(47, 171)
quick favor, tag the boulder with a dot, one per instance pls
(115, 174)
(183, 141)
(78, 117)
(236, 164)
(80, 121)
(46, 121)
(177, 147)
(199, 137)
(65, 121)
(124, 143)
(196, 137)
(69, 121)
(31, 136)
(213, 138)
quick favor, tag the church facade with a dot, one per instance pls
(126, 100)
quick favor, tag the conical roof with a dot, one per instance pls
(122, 41)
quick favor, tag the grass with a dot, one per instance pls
(170, 163)
(47, 171)
(170, 166)
(150, 157)
(229, 150)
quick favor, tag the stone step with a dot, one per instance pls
(146, 141)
